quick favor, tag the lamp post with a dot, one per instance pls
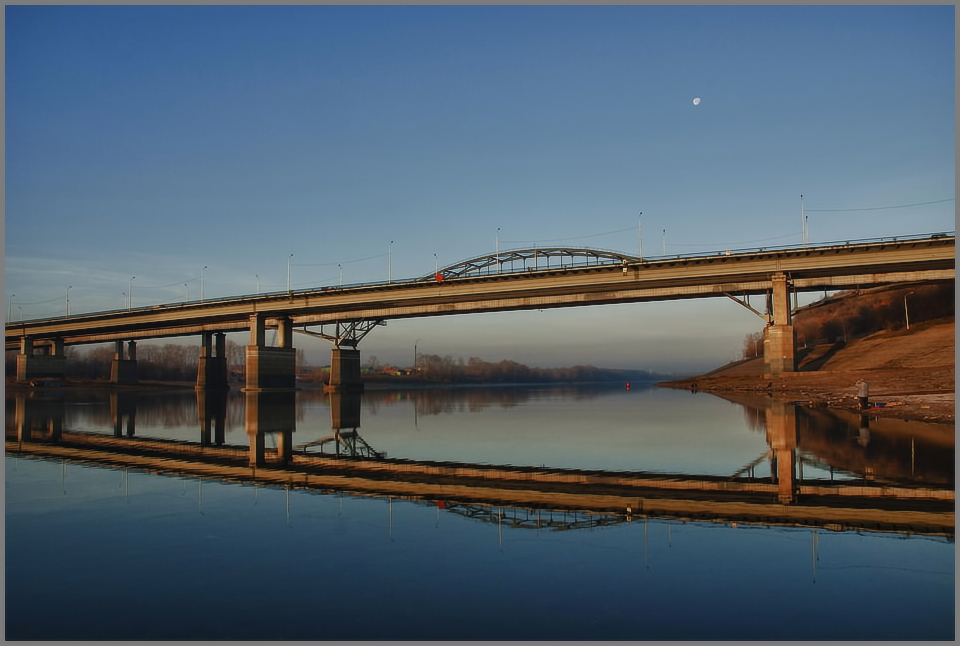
(906, 313)
(288, 272)
(10, 308)
(390, 262)
(258, 283)
(498, 249)
(340, 270)
(188, 292)
(664, 242)
(640, 233)
(202, 276)
(436, 265)
(130, 293)
(67, 302)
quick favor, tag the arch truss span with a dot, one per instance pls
(345, 333)
(537, 259)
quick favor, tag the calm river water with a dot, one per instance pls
(484, 513)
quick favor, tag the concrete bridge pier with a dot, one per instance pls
(779, 338)
(212, 364)
(48, 363)
(123, 371)
(271, 368)
(345, 370)
(272, 413)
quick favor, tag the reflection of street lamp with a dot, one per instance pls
(906, 314)
(67, 308)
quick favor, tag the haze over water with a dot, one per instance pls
(114, 551)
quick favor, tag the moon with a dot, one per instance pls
(696, 101)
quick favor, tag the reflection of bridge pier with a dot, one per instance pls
(273, 413)
(123, 405)
(782, 438)
(38, 418)
(212, 412)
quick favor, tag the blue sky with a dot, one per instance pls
(156, 141)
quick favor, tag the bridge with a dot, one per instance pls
(504, 281)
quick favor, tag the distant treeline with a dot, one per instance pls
(445, 369)
(847, 315)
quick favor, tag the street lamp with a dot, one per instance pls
(258, 283)
(906, 314)
(436, 265)
(202, 274)
(640, 233)
(288, 272)
(67, 304)
(664, 242)
(130, 293)
(188, 292)
(498, 249)
(10, 308)
(390, 262)
(340, 269)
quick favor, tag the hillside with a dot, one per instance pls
(911, 371)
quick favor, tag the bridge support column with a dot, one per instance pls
(212, 366)
(782, 437)
(273, 413)
(123, 371)
(271, 368)
(779, 339)
(49, 363)
(345, 370)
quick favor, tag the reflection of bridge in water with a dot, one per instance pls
(513, 495)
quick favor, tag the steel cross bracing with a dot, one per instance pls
(533, 260)
(348, 333)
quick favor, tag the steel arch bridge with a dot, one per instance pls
(532, 260)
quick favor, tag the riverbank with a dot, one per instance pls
(911, 375)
